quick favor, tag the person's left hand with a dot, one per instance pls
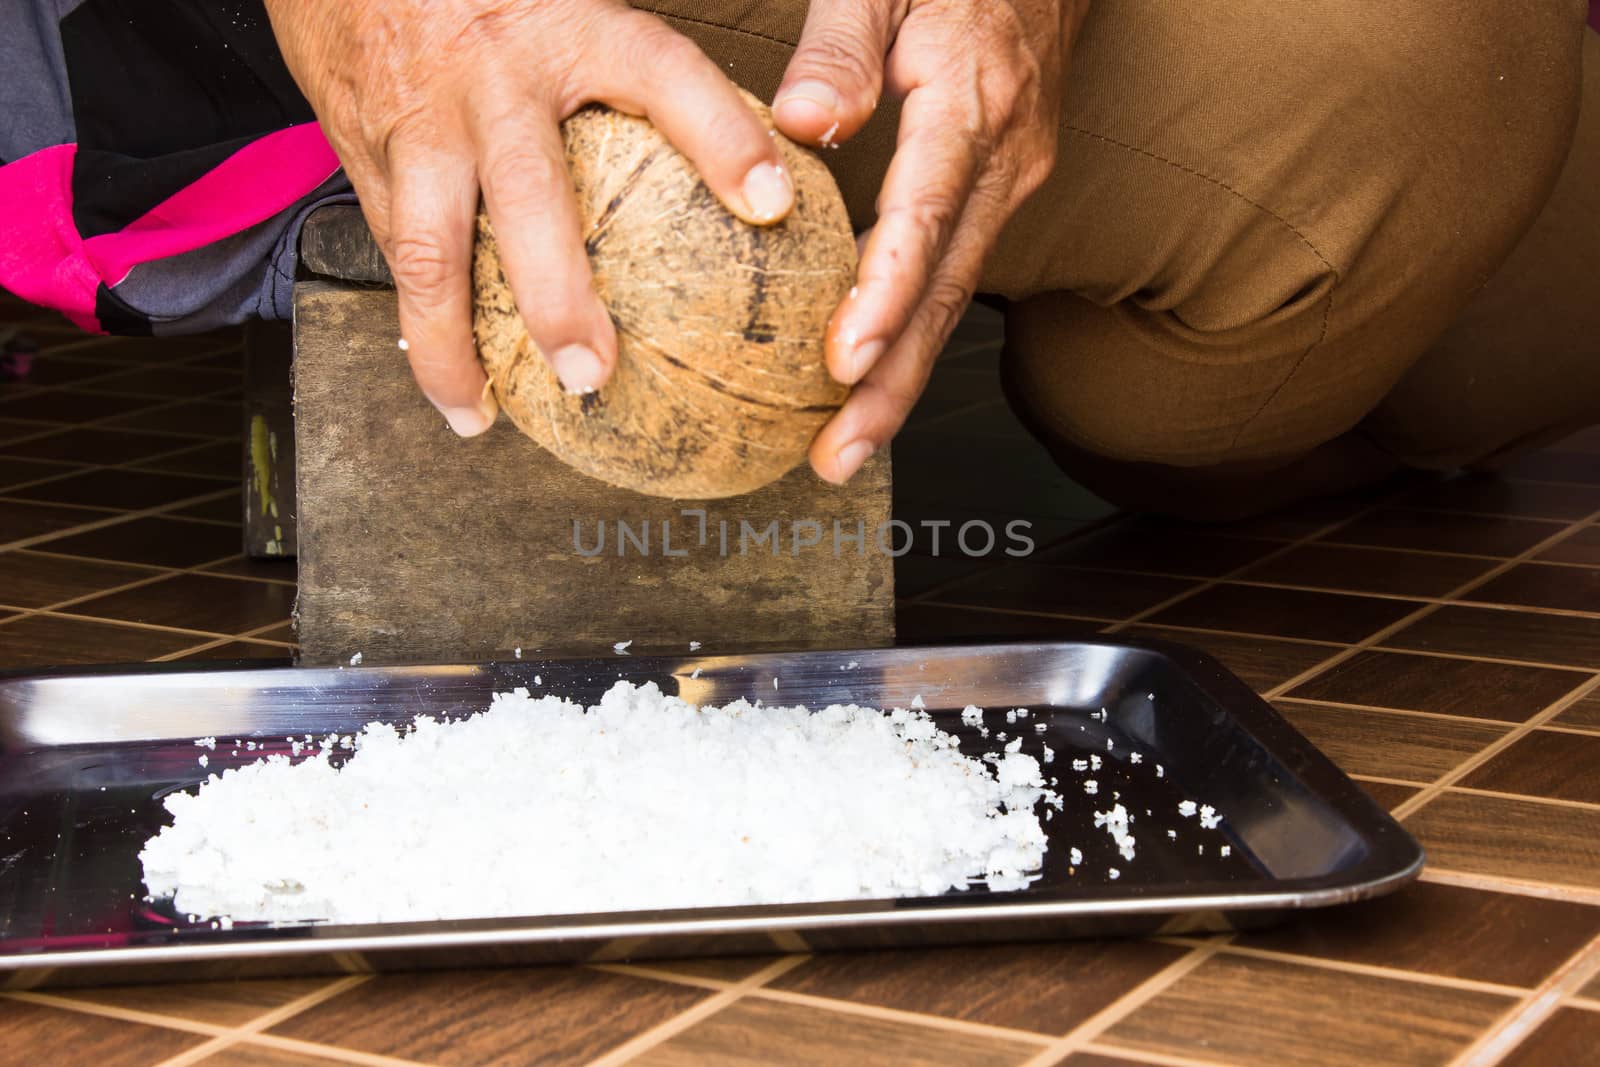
(981, 83)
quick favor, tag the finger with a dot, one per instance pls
(683, 93)
(879, 404)
(429, 248)
(836, 76)
(528, 192)
(930, 179)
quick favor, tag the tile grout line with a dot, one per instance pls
(838, 1006)
(1377, 638)
(1139, 1055)
(260, 1022)
(1512, 1028)
(1411, 805)
(1521, 887)
(1092, 1028)
(113, 519)
(1437, 716)
(1368, 970)
(665, 1031)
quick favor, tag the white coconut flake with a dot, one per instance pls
(539, 806)
(1075, 857)
(1114, 874)
(1187, 808)
(1209, 819)
(1135, 757)
(1091, 787)
(1226, 850)
(694, 646)
(621, 647)
(205, 742)
(203, 761)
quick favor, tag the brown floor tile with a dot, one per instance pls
(1554, 465)
(92, 444)
(66, 406)
(1562, 1039)
(31, 580)
(227, 359)
(54, 370)
(1285, 613)
(1046, 988)
(1063, 590)
(1511, 838)
(1430, 531)
(156, 349)
(197, 602)
(1304, 520)
(263, 1056)
(915, 575)
(1159, 548)
(12, 430)
(1444, 930)
(268, 655)
(1567, 641)
(195, 416)
(187, 381)
(1447, 686)
(32, 1035)
(1501, 496)
(1262, 662)
(771, 1032)
(219, 459)
(15, 472)
(271, 570)
(130, 489)
(919, 623)
(46, 641)
(222, 509)
(1581, 546)
(1262, 1012)
(19, 520)
(1388, 795)
(1585, 441)
(1368, 570)
(1543, 585)
(1544, 763)
(221, 1003)
(1386, 745)
(1585, 712)
(1094, 1059)
(157, 541)
(720, 968)
(493, 1018)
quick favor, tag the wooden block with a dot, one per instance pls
(335, 241)
(269, 491)
(418, 546)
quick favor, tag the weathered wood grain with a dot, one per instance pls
(418, 546)
(336, 242)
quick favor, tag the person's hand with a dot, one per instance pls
(429, 102)
(981, 83)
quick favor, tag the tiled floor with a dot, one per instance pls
(1440, 641)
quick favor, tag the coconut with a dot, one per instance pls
(720, 383)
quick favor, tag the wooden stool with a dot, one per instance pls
(417, 546)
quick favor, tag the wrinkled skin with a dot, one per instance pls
(431, 102)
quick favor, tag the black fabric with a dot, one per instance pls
(110, 190)
(162, 90)
(117, 317)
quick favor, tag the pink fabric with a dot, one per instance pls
(252, 185)
(44, 260)
(41, 255)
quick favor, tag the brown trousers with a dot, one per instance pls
(1289, 248)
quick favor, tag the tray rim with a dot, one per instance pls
(1393, 858)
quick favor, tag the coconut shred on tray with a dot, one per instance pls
(540, 806)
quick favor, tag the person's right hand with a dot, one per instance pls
(429, 102)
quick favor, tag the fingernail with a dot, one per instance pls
(768, 192)
(862, 357)
(472, 421)
(819, 93)
(578, 368)
(850, 458)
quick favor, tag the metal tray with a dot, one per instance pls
(86, 756)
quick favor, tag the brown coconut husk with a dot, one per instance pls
(720, 383)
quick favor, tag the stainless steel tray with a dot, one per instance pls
(86, 756)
